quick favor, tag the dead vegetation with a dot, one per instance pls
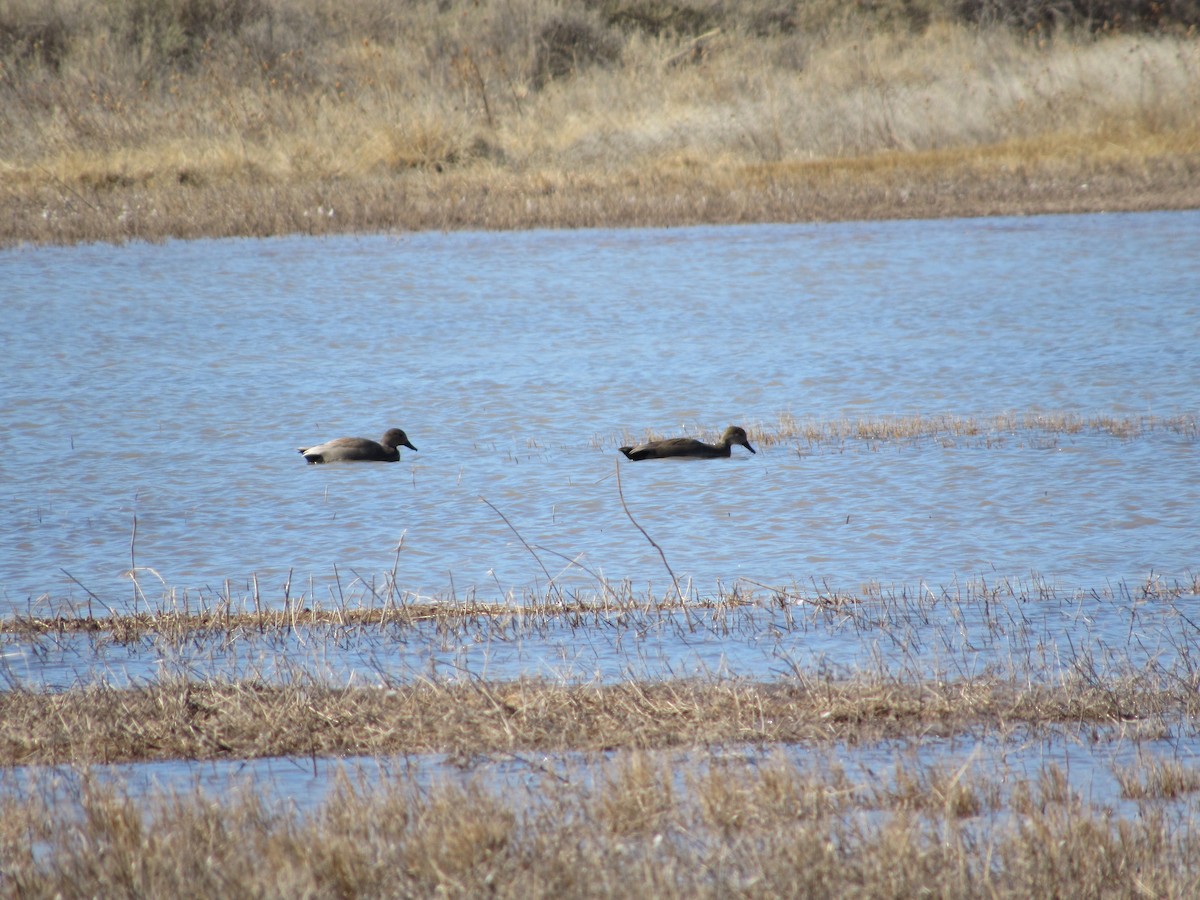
(363, 613)
(679, 787)
(193, 118)
(280, 707)
(202, 720)
(629, 826)
(981, 658)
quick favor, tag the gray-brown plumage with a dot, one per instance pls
(354, 449)
(690, 447)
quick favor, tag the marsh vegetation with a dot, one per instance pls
(880, 781)
(126, 119)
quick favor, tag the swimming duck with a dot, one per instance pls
(690, 447)
(354, 449)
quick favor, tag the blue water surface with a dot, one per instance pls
(155, 396)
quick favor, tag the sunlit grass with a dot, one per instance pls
(275, 117)
(204, 720)
(627, 825)
(280, 706)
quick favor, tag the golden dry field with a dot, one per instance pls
(148, 119)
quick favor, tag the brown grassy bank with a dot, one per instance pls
(126, 119)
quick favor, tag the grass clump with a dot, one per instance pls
(174, 34)
(34, 35)
(187, 719)
(1158, 780)
(569, 45)
(1089, 15)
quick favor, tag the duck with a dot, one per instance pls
(356, 449)
(690, 447)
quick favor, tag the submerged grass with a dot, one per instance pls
(628, 826)
(951, 430)
(173, 622)
(184, 118)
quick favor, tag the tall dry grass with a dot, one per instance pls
(124, 118)
(631, 826)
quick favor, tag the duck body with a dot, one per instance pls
(356, 449)
(690, 448)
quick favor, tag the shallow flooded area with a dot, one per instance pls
(975, 468)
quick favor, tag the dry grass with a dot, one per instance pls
(122, 119)
(184, 719)
(629, 827)
(225, 620)
(1158, 780)
(377, 616)
(999, 430)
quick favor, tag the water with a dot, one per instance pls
(1090, 768)
(1015, 637)
(155, 394)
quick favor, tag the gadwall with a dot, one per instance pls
(352, 449)
(690, 447)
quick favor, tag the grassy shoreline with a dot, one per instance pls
(891, 186)
(198, 118)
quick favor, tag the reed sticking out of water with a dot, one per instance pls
(550, 584)
(663, 556)
(180, 621)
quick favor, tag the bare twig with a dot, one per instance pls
(549, 578)
(89, 593)
(663, 556)
(694, 50)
